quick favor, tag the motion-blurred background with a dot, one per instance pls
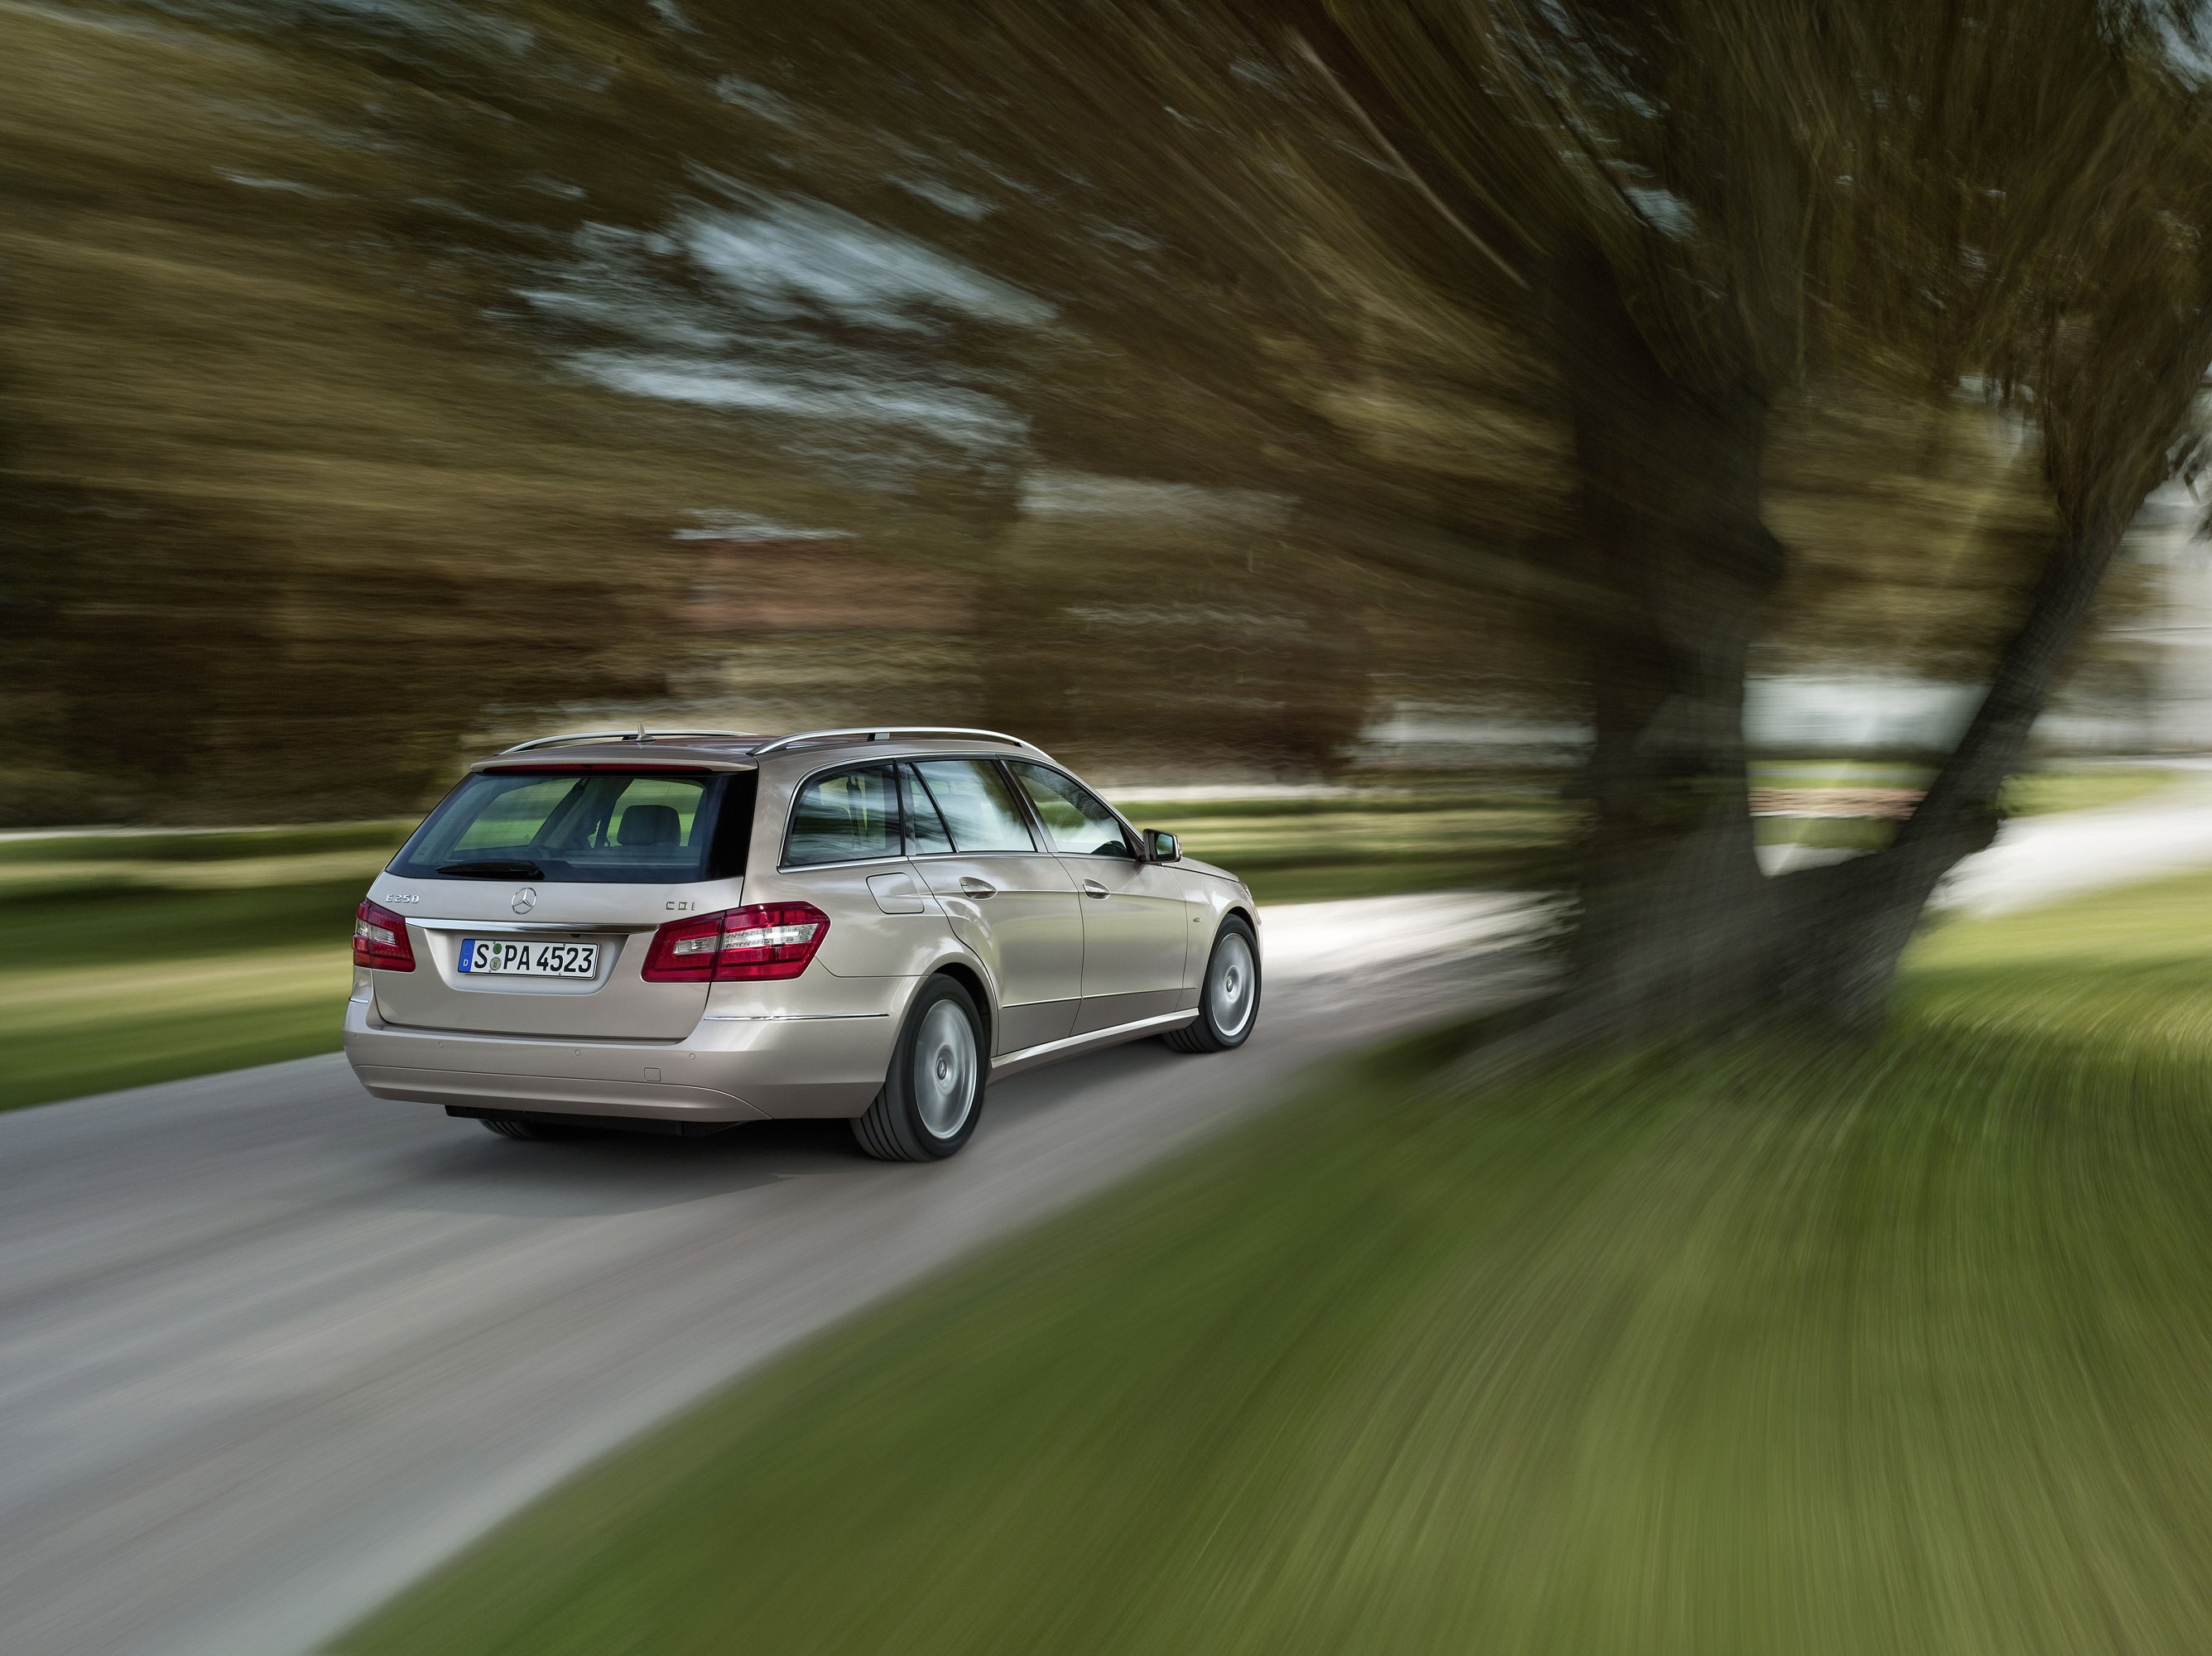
(1706, 468)
(1371, 425)
(382, 381)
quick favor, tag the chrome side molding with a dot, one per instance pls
(1073, 1044)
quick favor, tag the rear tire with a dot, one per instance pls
(1228, 998)
(934, 1092)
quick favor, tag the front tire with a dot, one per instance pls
(934, 1092)
(1229, 999)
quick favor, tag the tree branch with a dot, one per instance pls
(1413, 175)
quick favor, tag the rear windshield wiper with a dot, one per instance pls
(492, 870)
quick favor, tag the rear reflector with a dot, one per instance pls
(379, 940)
(766, 941)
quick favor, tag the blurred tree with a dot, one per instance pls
(1712, 198)
(446, 317)
(294, 493)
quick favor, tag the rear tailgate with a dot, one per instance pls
(613, 1002)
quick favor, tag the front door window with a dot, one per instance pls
(1075, 820)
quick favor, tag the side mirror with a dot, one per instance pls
(1162, 846)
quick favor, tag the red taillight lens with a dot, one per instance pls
(769, 940)
(683, 950)
(379, 940)
(766, 941)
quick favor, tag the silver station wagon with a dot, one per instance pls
(682, 931)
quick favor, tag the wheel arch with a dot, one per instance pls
(979, 991)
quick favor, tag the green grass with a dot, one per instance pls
(136, 959)
(71, 1031)
(1326, 882)
(2034, 795)
(125, 989)
(1829, 833)
(1722, 1353)
(2044, 791)
(1373, 843)
(1837, 773)
(2060, 787)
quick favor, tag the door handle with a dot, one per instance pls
(975, 888)
(1092, 888)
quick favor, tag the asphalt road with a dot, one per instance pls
(270, 1348)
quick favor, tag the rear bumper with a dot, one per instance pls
(727, 1070)
(484, 1090)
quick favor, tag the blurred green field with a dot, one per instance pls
(2039, 793)
(1715, 1353)
(1375, 842)
(142, 958)
(2088, 789)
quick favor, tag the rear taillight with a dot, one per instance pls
(683, 950)
(379, 940)
(769, 940)
(766, 941)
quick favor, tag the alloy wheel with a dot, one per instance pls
(944, 1069)
(1230, 981)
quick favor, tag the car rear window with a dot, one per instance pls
(593, 824)
(926, 834)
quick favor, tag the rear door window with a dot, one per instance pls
(847, 817)
(926, 833)
(1076, 820)
(977, 804)
(600, 824)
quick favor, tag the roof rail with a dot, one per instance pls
(884, 732)
(639, 734)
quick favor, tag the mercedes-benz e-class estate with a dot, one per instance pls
(682, 931)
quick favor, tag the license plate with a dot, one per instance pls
(521, 957)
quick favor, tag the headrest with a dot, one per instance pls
(650, 824)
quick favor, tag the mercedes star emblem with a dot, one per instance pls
(523, 900)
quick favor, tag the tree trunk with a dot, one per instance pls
(2109, 428)
(1674, 912)
(1849, 923)
(1679, 929)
